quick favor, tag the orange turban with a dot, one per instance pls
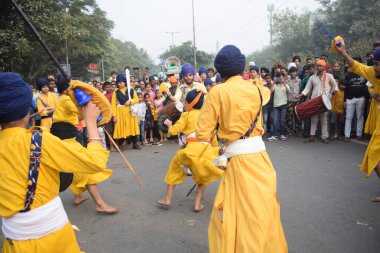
(321, 63)
(172, 79)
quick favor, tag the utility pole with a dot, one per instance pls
(194, 47)
(271, 9)
(172, 33)
(217, 46)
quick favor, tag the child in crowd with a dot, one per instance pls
(149, 120)
(108, 93)
(46, 103)
(159, 104)
(337, 102)
(141, 111)
(148, 90)
(268, 108)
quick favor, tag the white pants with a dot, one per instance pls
(354, 105)
(314, 122)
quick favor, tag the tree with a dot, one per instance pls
(185, 53)
(355, 21)
(81, 22)
(120, 54)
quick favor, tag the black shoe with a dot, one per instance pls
(136, 146)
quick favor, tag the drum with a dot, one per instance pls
(313, 106)
(172, 112)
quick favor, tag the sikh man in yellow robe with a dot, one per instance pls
(33, 217)
(65, 123)
(246, 212)
(371, 159)
(203, 171)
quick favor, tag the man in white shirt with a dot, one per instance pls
(319, 84)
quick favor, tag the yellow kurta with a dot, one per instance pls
(14, 164)
(372, 154)
(374, 113)
(66, 111)
(127, 124)
(204, 172)
(337, 102)
(246, 212)
(50, 99)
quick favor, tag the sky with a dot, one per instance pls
(243, 23)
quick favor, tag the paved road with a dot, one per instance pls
(324, 203)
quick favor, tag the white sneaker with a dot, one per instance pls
(283, 138)
(273, 138)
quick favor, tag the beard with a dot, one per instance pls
(189, 82)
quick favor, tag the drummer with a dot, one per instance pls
(187, 74)
(321, 83)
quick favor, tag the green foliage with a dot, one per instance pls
(355, 21)
(185, 53)
(80, 23)
(120, 54)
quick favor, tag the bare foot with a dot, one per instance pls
(375, 199)
(79, 199)
(198, 208)
(164, 202)
(106, 209)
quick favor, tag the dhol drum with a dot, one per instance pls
(171, 111)
(313, 106)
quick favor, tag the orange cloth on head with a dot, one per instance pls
(321, 63)
(172, 80)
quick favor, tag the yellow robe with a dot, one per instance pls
(372, 154)
(246, 212)
(50, 99)
(204, 172)
(14, 164)
(127, 124)
(66, 111)
(374, 113)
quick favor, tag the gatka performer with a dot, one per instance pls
(33, 217)
(246, 213)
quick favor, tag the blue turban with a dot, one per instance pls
(376, 55)
(62, 83)
(121, 78)
(41, 83)
(229, 61)
(191, 95)
(255, 68)
(218, 79)
(208, 82)
(15, 97)
(202, 70)
(187, 68)
(161, 74)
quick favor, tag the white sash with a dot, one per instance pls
(35, 223)
(251, 145)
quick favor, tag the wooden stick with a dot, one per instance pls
(124, 158)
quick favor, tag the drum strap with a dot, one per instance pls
(250, 130)
(324, 81)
